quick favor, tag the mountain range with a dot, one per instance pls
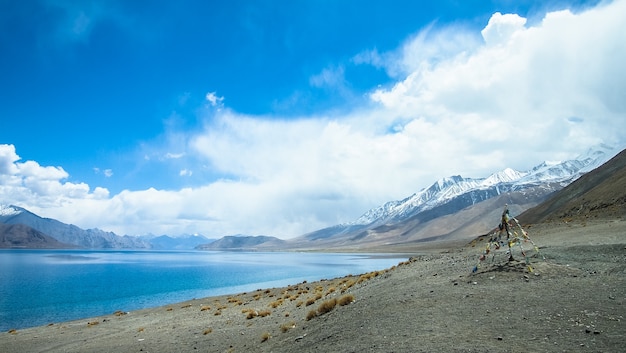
(24, 229)
(451, 208)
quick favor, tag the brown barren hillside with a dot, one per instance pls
(600, 193)
(19, 236)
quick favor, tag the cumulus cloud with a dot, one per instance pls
(501, 28)
(28, 183)
(465, 102)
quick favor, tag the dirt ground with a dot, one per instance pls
(574, 300)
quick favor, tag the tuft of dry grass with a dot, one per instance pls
(207, 331)
(141, 329)
(265, 336)
(92, 323)
(119, 313)
(347, 285)
(186, 306)
(205, 308)
(288, 326)
(13, 331)
(327, 306)
(264, 313)
(252, 314)
(169, 309)
(275, 304)
(310, 301)
(345, 300)
(312, 314)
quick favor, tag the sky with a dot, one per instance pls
(284, 117)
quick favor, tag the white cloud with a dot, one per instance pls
(501, 28)
(214, 99)
(106, 172)
(170, 155)
(330, 77)
(28, 183)
(461, 105)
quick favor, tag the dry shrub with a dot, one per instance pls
(252, 314)
(349, 284)
(264, 313)
(207, 331)
(310, 301)
(169, 309)
(92, 323)
(13, 331)
(218, 312)
(330, 291)
(288, 326)
(312, 314)
(265, 336)
(140, 329)
(299, 304)
(327, 306)
(186, 306)
(345, 300)
(276, 304)
(205, 308)
(119, 313)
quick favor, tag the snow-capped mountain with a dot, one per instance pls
(553, 175)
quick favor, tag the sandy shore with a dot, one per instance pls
(574, 301)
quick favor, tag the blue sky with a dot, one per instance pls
(282, 117)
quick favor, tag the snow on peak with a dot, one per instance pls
(9, 210)
(505, 176)
(446, 189)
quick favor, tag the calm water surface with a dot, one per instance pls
(38, 287)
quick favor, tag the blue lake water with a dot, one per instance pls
(38, 287)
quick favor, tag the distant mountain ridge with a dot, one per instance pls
(20, 236)
(68, 233)
(184, 242)
(553, 175)
(243, 242)
(454, 206)
(63, 235)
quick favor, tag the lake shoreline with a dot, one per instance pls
(573, 298)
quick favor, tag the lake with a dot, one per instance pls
(38, 287)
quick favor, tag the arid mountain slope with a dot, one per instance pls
(600, 193)
(20, 236)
